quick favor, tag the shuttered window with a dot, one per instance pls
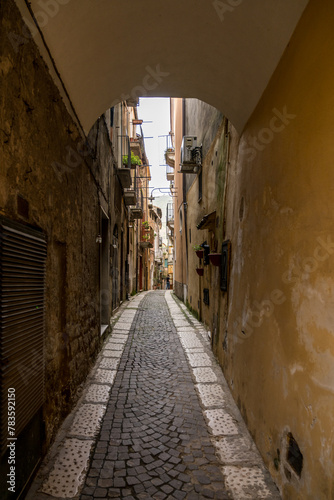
(22, 309)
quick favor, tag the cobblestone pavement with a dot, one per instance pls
(154, 442)
(156, 419)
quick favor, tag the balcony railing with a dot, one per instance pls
(136, 212)
(169, 173)
(170, 215)
(130, 197)
(136, 146)
(147, 236)
(170, 157)
(123, 170)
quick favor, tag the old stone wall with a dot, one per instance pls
(63, 182)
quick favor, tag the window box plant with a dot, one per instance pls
(135, 160)
(199, 251)
(146, 244)
(215, 258)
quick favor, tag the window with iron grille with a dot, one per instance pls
(225, 263)
(200, 185)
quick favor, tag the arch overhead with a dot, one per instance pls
(223, 52)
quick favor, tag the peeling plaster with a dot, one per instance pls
(295, 368)
(314, 310)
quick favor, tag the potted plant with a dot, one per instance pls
(146, 225)
(200, 271)
(199, 251)
(135, 160)
(215, 258)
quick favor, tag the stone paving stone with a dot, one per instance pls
(107, 353)
(97, 393)
(199, 359)
(211, 394)
(61, 481)
(204, 375)
(117, 339)
(114, 346)
(87, 420)
(220, 422)
(154, 421)
(104, 376)
(237, 449)
(248, 483)
(109, 363)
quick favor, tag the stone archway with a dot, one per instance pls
(221, 52)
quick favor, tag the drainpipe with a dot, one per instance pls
(184, 187)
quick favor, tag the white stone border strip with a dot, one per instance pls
(242, 466)
(69, 468)
(63, 471)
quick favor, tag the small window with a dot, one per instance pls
(225, 264)
(200, 185)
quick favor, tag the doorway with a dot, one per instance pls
(115, 293)
(104, 273)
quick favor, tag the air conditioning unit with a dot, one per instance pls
(191, 155)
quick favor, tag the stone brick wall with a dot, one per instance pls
(64, 181)
(178, 289)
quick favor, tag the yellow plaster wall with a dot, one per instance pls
(281, 369)
(213, 175)
(180, 274)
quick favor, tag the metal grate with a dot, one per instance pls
(22, 292)
(225, 265)
(206, 296)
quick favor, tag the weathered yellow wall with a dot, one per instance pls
(273, 330)
(180, 276)
(281, 370)
(213, 175)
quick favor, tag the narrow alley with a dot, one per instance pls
(166, 249)
(168, 417)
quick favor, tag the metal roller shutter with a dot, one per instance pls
(22, 324)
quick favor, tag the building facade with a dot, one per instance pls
(69, 243)
(220, 266)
